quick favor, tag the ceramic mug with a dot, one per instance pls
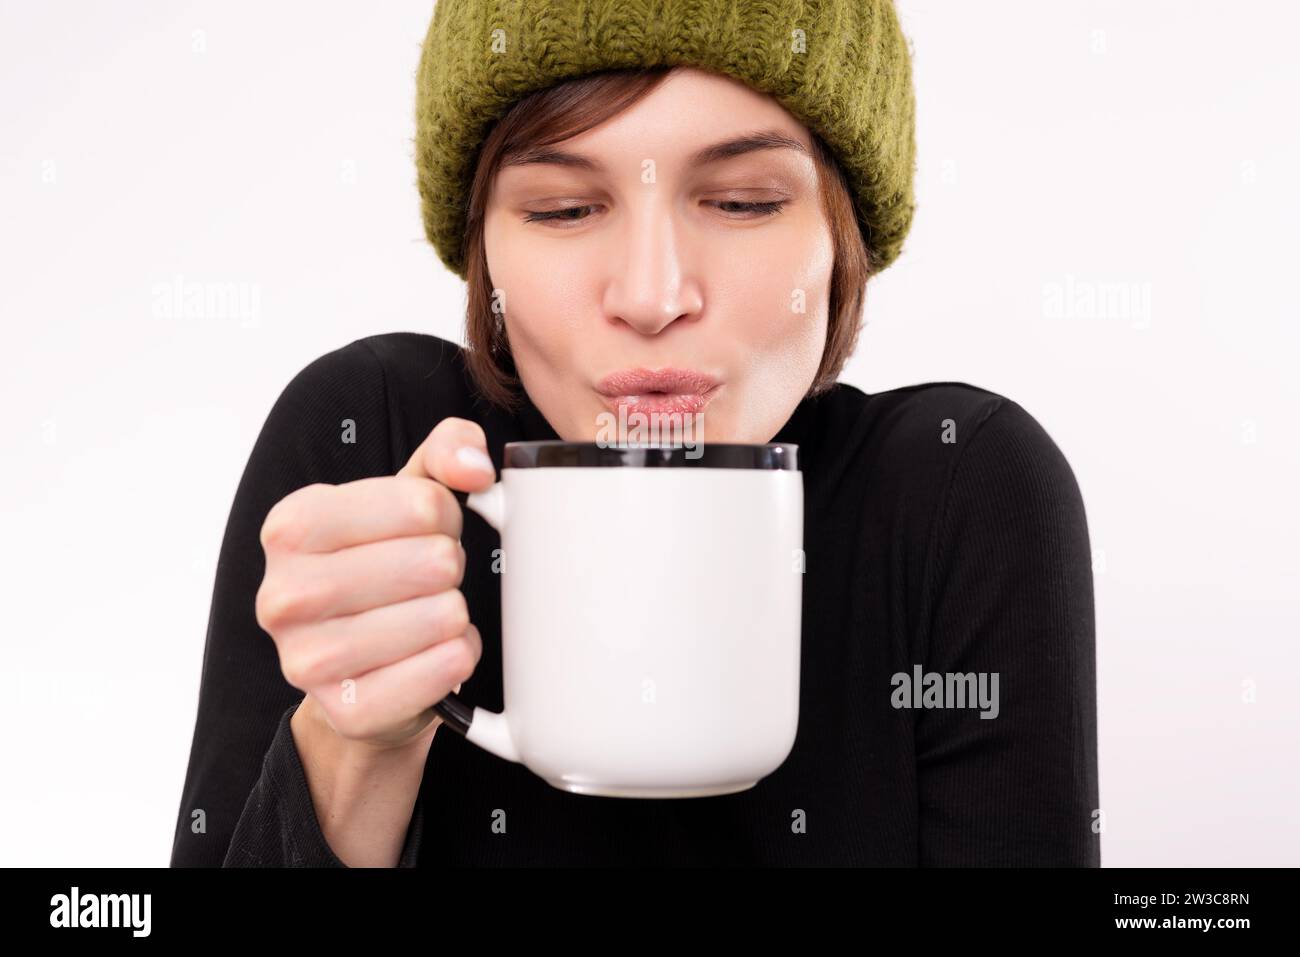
(651, 616)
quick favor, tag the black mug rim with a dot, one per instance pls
(560, 453)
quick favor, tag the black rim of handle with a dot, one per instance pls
(455, 714)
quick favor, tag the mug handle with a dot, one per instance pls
(489, 730)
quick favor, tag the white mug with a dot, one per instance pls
(651, 616)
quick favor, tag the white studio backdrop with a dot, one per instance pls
(1106, 230)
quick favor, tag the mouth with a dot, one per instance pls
(666, 390)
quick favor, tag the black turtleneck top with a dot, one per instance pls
(944, 534)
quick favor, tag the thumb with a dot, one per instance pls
(455, 454)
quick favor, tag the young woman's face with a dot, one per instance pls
(640, 255)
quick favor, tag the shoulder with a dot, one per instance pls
(938, 423)
(952, 448)
(411, 381)
(414, 354)
(915, 416)
(402, 358)
(351, 410)
(410, 370)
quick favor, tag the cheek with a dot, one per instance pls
(541, 294)
(783, 283)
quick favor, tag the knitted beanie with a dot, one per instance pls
(841, 67)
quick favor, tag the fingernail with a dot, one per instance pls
(475, 458)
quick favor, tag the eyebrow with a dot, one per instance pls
(727, 149)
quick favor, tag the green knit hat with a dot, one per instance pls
(841, 67)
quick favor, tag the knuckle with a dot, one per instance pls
(471, 661)
(474, 435)
(453, 617)
(425, 563)
(260, 601)
(453, 432)
(452, 425)
(286, 523)
(438, 560)
(292, 668)
(451, 556)
(319, 663)
(271, 606)
(280, 607)
(277, 528)
(288, 603)
(461, 660)
(435, 506)
(427, 504)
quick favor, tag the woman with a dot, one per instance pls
(621, 188)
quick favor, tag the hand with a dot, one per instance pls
(362, 590)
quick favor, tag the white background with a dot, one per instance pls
(1065, 150)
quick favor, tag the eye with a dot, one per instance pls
(574, 214)
(770, 208)
(565, 215)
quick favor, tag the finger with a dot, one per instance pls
(448, 455)
(394, 694)
(325, 518)
(358, 578)
(327, 652)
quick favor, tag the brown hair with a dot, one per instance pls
(567, 109)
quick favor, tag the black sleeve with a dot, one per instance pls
(245, 799)
(1010, 592)
(278, 826)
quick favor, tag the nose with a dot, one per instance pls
(652, 283)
